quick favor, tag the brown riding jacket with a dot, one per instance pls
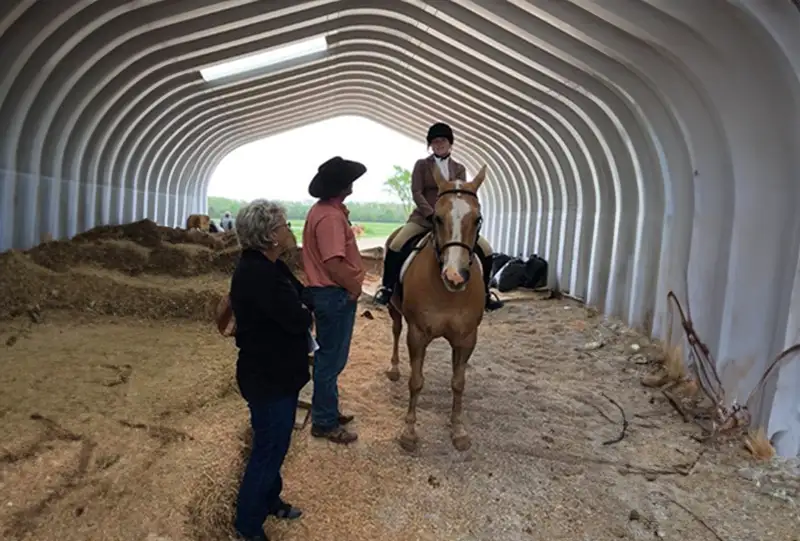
(424, 189)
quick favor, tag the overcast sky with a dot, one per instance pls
(281, 166)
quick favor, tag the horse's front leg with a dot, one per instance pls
(462, 351)
(397, 327)
(417, 344)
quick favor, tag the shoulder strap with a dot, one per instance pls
(225, 316)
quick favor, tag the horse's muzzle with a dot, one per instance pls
(455, 279)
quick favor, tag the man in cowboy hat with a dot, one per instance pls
(335, 274)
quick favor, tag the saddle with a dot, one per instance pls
(407, 254)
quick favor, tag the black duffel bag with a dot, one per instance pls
(498, 261)
(535, 272)
(510, 276)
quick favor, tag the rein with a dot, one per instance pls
(469, 248)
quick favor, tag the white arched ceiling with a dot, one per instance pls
(640, 146)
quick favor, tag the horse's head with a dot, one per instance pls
(456, 225)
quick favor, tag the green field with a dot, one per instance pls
(372, 230)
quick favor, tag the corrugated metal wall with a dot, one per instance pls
(640, 146)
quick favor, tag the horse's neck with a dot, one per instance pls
(424, 252)
(429, 290)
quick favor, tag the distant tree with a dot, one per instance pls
(217, 206)
(399, 185)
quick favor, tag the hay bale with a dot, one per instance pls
(23, 283)
(120, 255)
(58, 256)
(203, 238)
(149, 234)
(226, 260)
(228, 239)
(375, 253)
(100, 232)
(294, 259)
(213, 509)
(172, 260)
(173, 235)
(66, 275)
(144, 232)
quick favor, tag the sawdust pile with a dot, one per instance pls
(122, 421)
(212, 511)
(114, 303)
(142, 247)
(70, 274)
(65, 322)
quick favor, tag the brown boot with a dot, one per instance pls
(336, 435)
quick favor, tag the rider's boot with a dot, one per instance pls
(392, 262)
(486, 263)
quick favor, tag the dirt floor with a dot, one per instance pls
(121, 421)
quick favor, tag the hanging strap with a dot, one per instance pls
(224, 317)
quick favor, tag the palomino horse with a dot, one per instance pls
(442, 295)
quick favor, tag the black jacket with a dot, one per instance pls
(272, 327)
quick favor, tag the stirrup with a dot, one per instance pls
(383, 296)
(493, 303)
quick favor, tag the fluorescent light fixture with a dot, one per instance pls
(275, 55)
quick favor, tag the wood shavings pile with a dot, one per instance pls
(129, 427)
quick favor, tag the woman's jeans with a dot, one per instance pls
(272, 421)
(335, 316)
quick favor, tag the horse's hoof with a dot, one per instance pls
(393, 374)
(462, 443)
(409, 443)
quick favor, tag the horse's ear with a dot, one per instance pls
(476, 182)
(437, 177)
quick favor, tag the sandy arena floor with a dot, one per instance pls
(129, 427)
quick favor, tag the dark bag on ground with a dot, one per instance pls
(498, 261)
(535, 272)
(510, 276)
(516, 273)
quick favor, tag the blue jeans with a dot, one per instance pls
(335, 316)
(259, 494)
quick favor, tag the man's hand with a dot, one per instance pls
(353, 296)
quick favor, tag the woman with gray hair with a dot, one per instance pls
(272, 325)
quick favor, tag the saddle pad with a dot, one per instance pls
(419, 246)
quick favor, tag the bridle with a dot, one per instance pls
(469, 248)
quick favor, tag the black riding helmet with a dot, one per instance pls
(440, 129)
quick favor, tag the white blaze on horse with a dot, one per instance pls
(441, 295)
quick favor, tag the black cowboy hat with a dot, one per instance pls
(334, 176)
(440, 129)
